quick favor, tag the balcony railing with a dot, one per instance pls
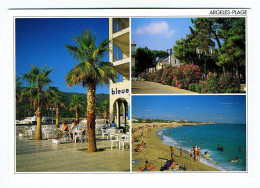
(120, 24)
(118, 55)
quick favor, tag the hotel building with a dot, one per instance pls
(119, 56)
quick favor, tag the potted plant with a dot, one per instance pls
(56, 140)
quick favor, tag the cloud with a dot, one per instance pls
(187, 108)
(155, 28)
(148, 110)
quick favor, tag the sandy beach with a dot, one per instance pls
(157, 153)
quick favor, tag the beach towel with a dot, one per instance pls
(144, 169)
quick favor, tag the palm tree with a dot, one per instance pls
(18, 90)
(38, 80)
(76, 103)
(105, 107)
(90, 72)
(56, 101)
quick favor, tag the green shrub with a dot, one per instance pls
(192, 87)
(196, 87)
(143, 76)
(167, 75)
(184, 75)
(158, 76)
(224, 84)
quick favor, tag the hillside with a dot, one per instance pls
(23, 109)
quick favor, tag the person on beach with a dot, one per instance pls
(191, 153)
(142, 134)
(173, 164)
(147, 167)
(195, 153)
(198, 154)
(138, 149)
(143, 144)
(113, 124)
(105, 125)
(168, 164)
(180, 152)
(65, 127)
(136, 140)
(172, 152)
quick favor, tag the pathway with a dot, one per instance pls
(145, 87)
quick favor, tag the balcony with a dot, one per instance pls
(121, 34)
(120, 24)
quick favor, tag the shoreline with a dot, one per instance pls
(156, 152)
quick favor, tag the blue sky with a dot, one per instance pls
(215, 108)
(159, 33)
(41, 41)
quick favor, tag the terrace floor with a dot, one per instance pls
(145, 87)
(44, 156)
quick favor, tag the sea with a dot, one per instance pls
(207, 136)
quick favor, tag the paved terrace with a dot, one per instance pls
(145, 87)
(43, 156)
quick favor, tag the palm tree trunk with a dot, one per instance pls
(105, 114)
(57, 116)
(77, 116)
(38, 135)
(91, 116)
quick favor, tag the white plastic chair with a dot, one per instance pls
(47, 132)
(104, 133)
(125, 140)
(30, 131)
(116, 140)
(77, 134)
(111, 132)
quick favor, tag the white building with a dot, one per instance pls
(174, 62)
(119, 55)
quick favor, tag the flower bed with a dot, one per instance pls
(179, 77)
(224, 84)
(189, 77)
